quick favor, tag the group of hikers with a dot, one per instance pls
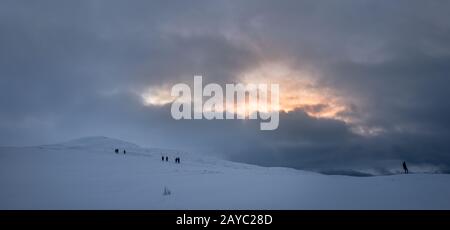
(166, 158)
(163, 158)
(117, 151)
(177, 160)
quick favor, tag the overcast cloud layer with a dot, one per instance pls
(70, 69)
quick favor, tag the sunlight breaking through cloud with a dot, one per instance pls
(298, 90)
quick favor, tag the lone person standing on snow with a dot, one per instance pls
(405, 168)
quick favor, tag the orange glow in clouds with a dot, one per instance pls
(298, 90)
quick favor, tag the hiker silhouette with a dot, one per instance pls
(405, 168)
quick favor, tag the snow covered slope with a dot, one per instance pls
(87, 174)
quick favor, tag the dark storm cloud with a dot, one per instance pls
(74, 68)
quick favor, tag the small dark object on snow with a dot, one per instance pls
(167, 158)
(116, 150)
(124, 152)
(405, 168)
(166, 191)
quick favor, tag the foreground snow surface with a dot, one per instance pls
(87, 174)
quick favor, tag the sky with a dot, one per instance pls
(363, 84)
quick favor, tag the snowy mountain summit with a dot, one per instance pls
(87, 173)
(99, 142)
